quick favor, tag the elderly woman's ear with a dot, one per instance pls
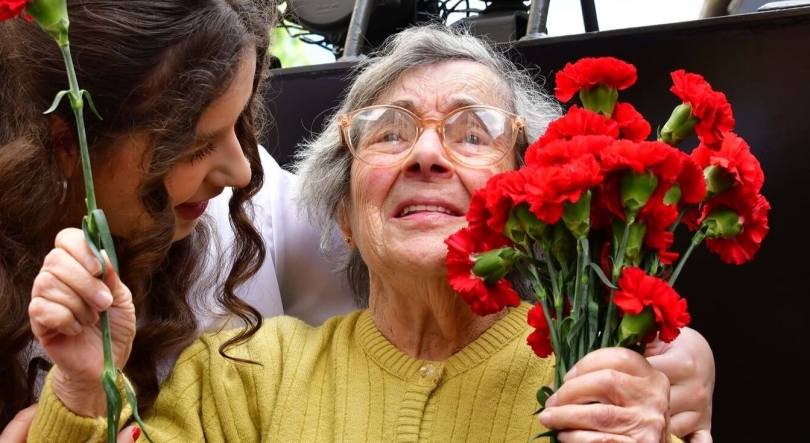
(342, 216)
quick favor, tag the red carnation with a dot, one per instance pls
(549, 188)
(540, 339)
(735, 158)
(578, 121)
(637, 290)
(631, 123)
(710, 107)
(482, 298)
(752, 210)
(589, 72)
(11, 8)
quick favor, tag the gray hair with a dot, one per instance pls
(324, 163)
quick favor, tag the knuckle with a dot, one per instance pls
(65, 237)
(606, 416)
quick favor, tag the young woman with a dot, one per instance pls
(177, 165)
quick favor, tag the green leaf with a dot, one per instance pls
(56, 101)
(551, 433)
(593, 322)
(86, 95)
(573, 329)
(113, 404)
(133, 403)
(106, 237)
(601, 275)
(543, 394)
(93, 244)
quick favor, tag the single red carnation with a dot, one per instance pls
(548, 188)
(565, 150)
(632, 125)
(577, 121)
(710, 107)
(735, 157)
(690, 180)
(589, 71)
(482, 298)
(638, 290)
(11, 8)
(540, 339)
(639, 157)
(753, 212)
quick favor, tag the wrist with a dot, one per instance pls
(83, 398)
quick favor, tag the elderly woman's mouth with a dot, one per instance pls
(411, 210)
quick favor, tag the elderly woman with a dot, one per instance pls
(425, 124)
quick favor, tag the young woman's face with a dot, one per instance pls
(214, 162)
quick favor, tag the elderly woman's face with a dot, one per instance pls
(400, 215)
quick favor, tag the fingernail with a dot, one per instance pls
(77, 327)
(103, 299)
(92, 265)
(136, 432)
(570, 374)
(544, 417)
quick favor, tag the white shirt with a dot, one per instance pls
(295, 278)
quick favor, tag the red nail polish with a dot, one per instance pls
(136, 432)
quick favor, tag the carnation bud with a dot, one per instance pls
(523, 225)
(599, 99)
(52, 16)
(577, 216)
(635, 191)
(560, 244)
(634, 328)
(493, 265)
(635, 241)
(681, 124)
(722, 222)
(717, 181)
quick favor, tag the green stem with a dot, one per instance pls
(554, 331)
(618, 264)
(696, 240)
(583, 281)
(77, 104)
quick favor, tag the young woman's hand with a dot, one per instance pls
(17, 429)
(66, 300)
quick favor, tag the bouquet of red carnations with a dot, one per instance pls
(590, 218)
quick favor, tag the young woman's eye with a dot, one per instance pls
(203, 152)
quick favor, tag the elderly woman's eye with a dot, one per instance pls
(391, 137)
(472, 139)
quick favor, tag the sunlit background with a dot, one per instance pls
(564, 18)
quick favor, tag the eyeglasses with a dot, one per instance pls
(475, 136)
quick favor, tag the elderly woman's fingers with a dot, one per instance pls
(591, 436)
(688, 362)
(17, 429)
(684, 423)
(595, 422)
(703, 436)
(618, 359)
(50, 287)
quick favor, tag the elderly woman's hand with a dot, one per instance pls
(612, 394)
(689, 363)
(66, 300)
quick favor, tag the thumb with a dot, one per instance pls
(119, 291)
(702, 436)
(129, 434)
(17, 429)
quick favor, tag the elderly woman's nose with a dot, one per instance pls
(232, 168)
(428, 157)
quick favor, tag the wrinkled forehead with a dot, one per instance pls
(443, 87)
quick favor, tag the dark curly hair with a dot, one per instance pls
(153, 66)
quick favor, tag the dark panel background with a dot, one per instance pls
(752, 315)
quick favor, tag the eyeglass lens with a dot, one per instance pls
(475, 136)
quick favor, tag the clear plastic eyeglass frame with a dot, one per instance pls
(518, 127)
